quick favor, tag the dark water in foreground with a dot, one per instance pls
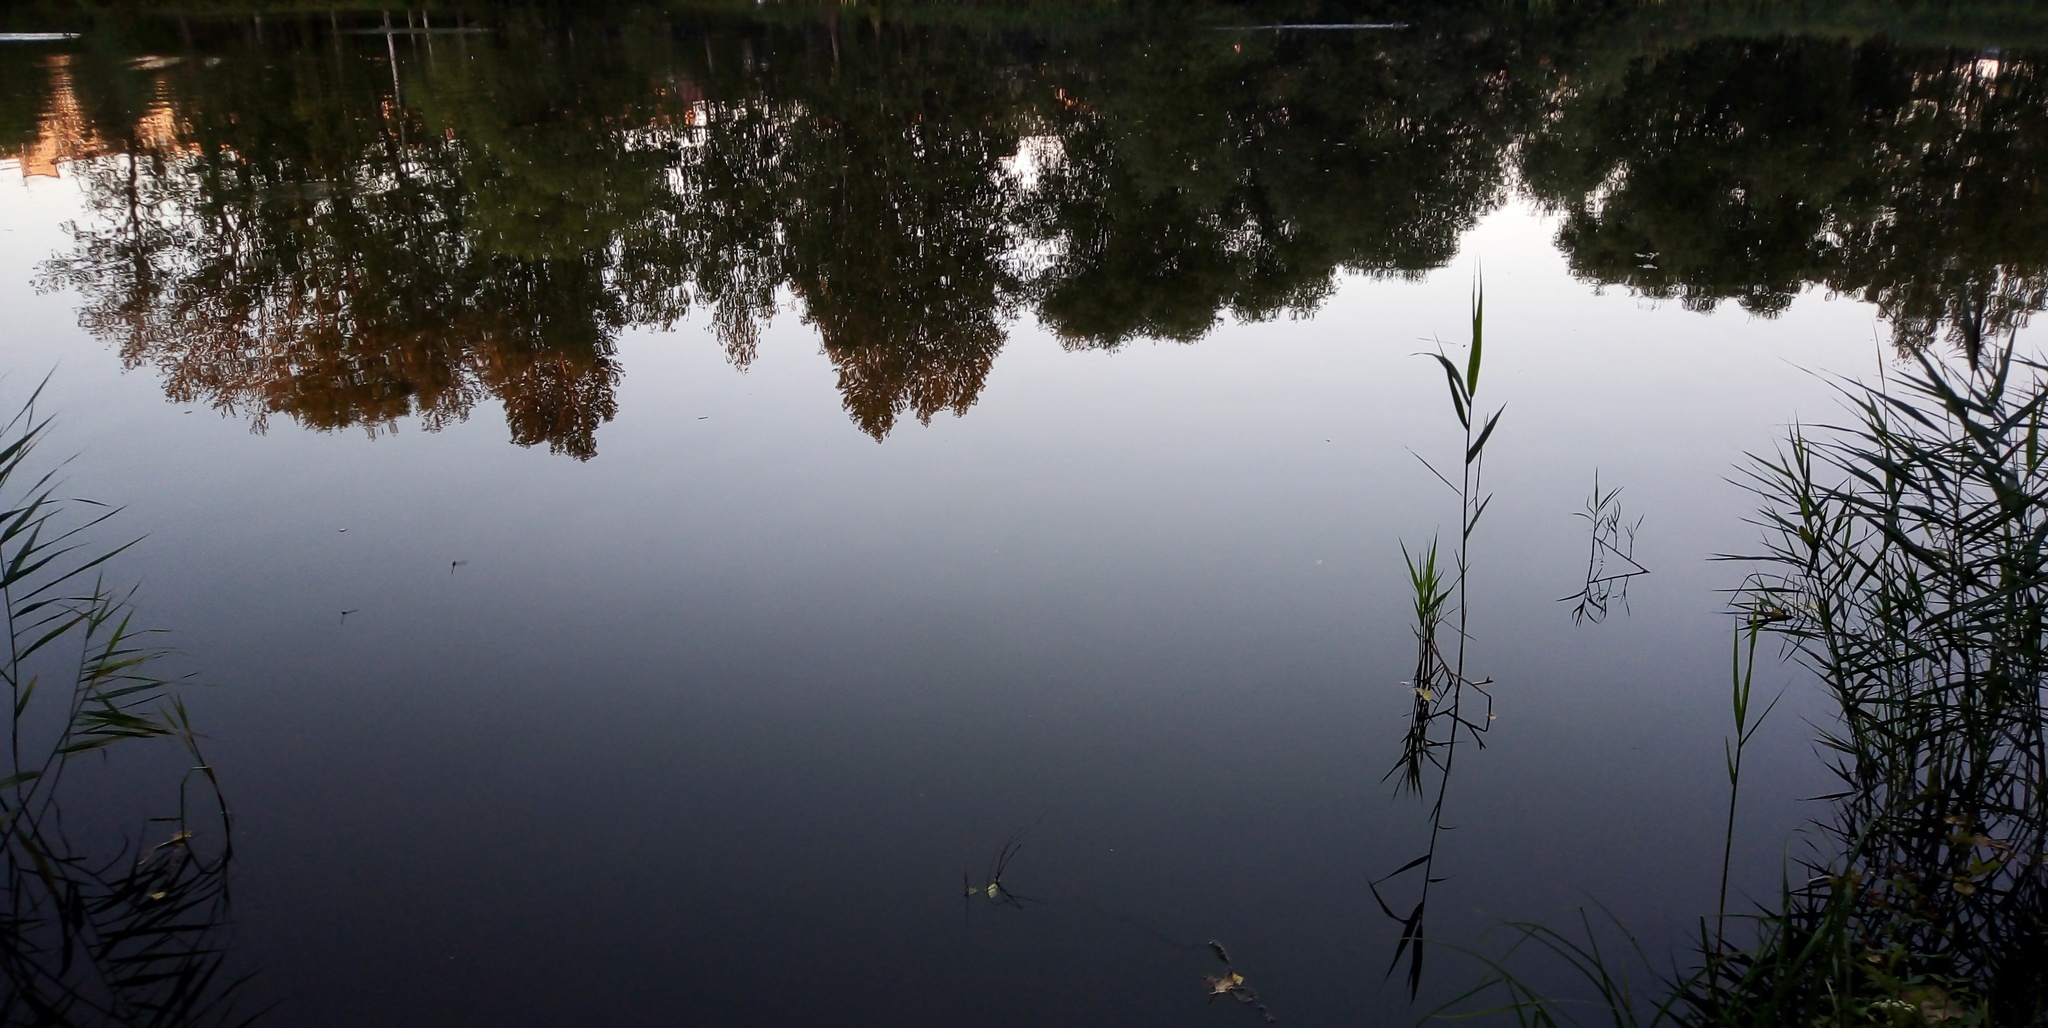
(863, 508)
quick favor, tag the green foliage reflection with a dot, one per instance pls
(1748, 170)
(314, 218)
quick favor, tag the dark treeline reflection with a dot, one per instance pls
(348, 228)
(1744, 170)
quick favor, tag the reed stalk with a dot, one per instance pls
(1438, 717)
(93, 934)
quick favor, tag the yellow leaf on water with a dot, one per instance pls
(1223, 984)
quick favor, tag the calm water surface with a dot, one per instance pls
(771, 462)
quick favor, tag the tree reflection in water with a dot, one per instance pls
(354, 230)
(1746, 170)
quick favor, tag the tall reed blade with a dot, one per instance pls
(1438, 714)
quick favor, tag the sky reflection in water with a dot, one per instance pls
(715, 714)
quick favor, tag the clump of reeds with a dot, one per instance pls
(91, 934)
(1905, 562)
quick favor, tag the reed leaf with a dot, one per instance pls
(88, 936)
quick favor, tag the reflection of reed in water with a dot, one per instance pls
(131, 933)
(1610, 557)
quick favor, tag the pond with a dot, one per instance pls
(825, 515)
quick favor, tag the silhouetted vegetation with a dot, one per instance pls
(1905, 562)
(99, 925)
